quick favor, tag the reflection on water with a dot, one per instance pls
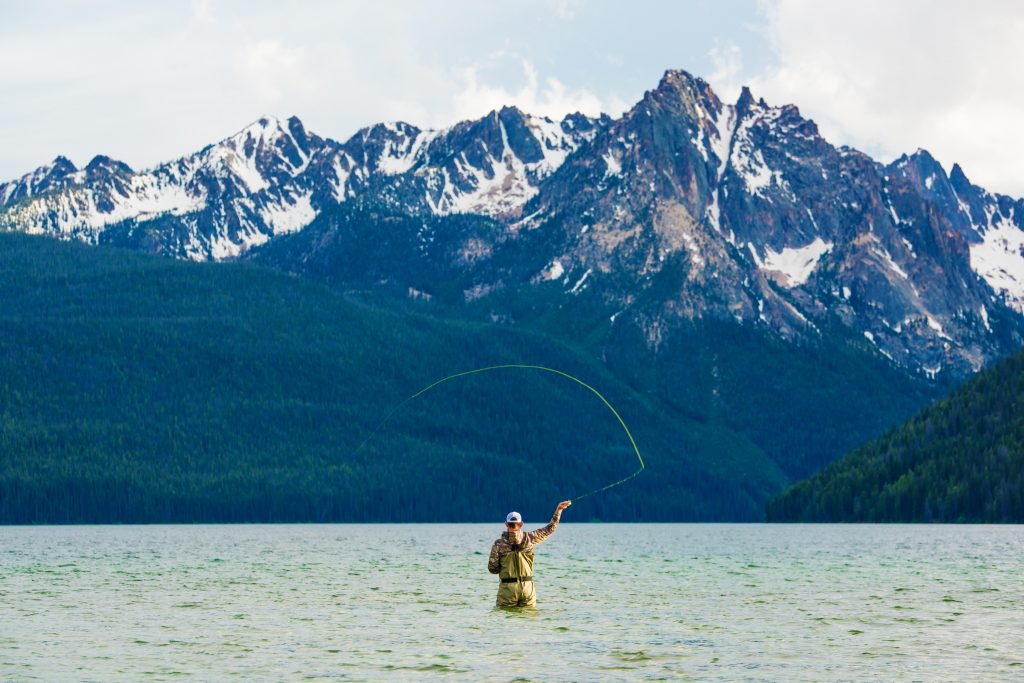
(353, 602)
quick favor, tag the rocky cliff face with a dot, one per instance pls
(768, 223)
(685, 208)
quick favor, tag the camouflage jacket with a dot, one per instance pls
(532, 539)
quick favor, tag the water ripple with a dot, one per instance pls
(644, 602)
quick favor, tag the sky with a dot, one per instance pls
(149, 82)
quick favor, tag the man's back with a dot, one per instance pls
(512, 558)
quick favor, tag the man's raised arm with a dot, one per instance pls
(541, 535)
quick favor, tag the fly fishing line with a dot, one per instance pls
(515, 366)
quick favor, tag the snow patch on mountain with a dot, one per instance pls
(243, 167)
(748, 161)
(750, 166)
(796, 264)
(694, 250)
(725, 120)
(37, 181)
(498, 189)
(554, 271)
(403, 152)
(936, 327)
(579, 284)
(895, 217)
(556, 144)
(222, 247)
(85, 211)
(342, 165)
(612, 165)
(999, 259)
(150, 198)
(504, 183)
(289, 215)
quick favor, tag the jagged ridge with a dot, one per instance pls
(744, 207)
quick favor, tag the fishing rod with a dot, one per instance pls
(520, 366)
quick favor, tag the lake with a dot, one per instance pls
(415, 602)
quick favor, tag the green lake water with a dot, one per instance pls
(415, 602)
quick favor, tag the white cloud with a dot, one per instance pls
(274, 70)
(202, 10)
(889, 77)
(566, 9)
(727, 60)
(150, 82)
(146, 82)
(552, 98)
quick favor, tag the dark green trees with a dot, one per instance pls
(960, 460)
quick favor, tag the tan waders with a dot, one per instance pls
(516, 587)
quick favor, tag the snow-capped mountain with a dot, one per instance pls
(491, 166)
(768, 223)
(273, 177)
(212, 204)
(685, 208)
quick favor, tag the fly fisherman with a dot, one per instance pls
(512, 558)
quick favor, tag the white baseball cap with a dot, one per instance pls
(513, 517)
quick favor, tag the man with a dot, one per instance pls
(512, 558)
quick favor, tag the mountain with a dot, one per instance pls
(766, 301)
(802, 403)
(767, 223)
(273, 177)
(686, 208)
(960, 460)
(142, 389)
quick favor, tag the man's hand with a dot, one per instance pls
(564, 504)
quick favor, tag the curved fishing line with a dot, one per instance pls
(521, 367)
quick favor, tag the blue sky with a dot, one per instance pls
(147, 82)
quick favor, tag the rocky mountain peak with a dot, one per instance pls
(390, 148)
(60, 165)
(58, 173)
(265, 127)
(684, 208)
(509, 110)
(679, 80)
(582, 123)
(102, 164)
(959, 180)
(678, 93)
(267, 134)
(745, 102)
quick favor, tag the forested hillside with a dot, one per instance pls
(135, 388)
(804, 402)
(960, 460)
